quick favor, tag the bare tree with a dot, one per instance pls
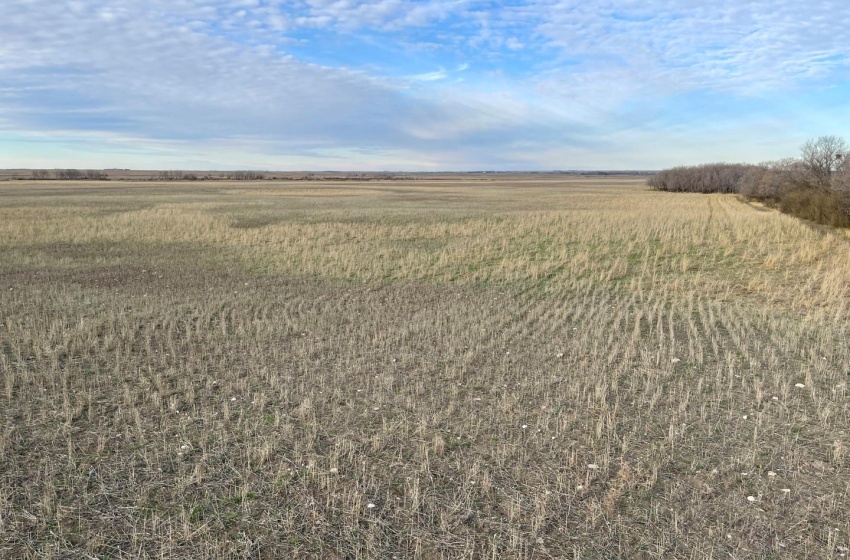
(841, 176)
(174, 175)
(707, 178)
(822, 157)
(68, 174)
(244, 175)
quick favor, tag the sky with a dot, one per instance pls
(418, 85)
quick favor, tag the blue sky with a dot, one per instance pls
(418, 85)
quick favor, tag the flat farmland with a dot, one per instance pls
(493, 367)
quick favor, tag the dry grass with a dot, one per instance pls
(570, 368)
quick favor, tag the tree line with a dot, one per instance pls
(814, 186)
(175, 175)
(226, 175)
(70, 174)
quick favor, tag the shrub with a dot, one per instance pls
(818, 205)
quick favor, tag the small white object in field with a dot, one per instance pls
(799, 386)
(786, 490)
(560, 355)
(524, 426)
(775, 398)
(232, 399)
(334, 470)
(580, 487)
(675, 360)
(593, 466)
(745, 416)
(539, 540)
(751, 498)
(771, 473)
(370, 505)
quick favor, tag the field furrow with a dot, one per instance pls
(548, 369)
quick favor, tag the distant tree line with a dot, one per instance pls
(174, 176)
(178, 175)
(243, 176)
(226, 175)
(70, 174)
(814, 186)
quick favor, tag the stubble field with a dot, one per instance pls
(523, 367)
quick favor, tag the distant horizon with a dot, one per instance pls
(319, 171)
(418, 85)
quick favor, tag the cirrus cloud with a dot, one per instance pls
(434, 84)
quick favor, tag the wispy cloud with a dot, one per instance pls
(377, 84)
(430, 76)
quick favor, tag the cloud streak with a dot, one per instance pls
(399, 84)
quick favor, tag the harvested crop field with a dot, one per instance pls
(521, 367)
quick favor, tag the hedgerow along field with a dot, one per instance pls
(525, 367)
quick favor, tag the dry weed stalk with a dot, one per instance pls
(526, 370)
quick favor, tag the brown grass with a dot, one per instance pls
(818, 205)
(530, 369)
